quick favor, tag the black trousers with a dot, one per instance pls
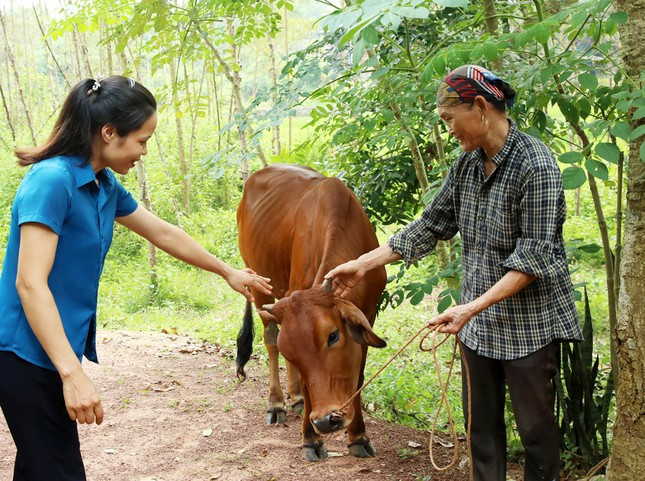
(530, 383)
(46, 438)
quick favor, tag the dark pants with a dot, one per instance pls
(532, 393)
(32, 401)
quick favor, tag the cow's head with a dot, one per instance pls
(326, 338)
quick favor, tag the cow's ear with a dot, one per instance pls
(359, 327)
(267, 315)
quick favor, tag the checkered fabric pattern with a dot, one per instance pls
(510, 220)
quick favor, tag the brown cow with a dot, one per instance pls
(294, 226)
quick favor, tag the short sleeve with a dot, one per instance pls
(125, 203)
(45, 197)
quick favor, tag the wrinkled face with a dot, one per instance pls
(464, 123)
(121, 153)
(326, 339)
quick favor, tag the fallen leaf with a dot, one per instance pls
(334, 454)
(413, 444)
(445, 444)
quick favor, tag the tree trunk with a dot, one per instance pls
(183, 168)
(627, 462)
(21, 94)
(145, 199)
(7, 114)
(233, 77)
(286, 54)
(490, 12)
(277, 148)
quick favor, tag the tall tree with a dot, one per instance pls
(627, 462)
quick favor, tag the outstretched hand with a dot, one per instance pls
(454, 319)
(345, 277)
(244, 279)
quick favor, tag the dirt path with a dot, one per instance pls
(175, 412)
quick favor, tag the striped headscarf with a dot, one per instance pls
(467, 82)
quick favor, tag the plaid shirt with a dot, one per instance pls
(510, 220)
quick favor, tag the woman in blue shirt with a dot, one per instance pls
(61, 228)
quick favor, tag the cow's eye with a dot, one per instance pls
(333, 338)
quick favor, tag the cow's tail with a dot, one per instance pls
(245, 341)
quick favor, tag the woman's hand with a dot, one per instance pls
(81, 399)
(345, 277)
(454, 319)
(243, 280)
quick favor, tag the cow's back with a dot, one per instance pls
(295, 225)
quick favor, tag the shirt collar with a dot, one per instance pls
(84, 173)
(501, 156)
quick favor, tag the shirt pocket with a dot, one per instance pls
(503, 230)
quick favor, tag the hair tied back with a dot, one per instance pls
(95, 87)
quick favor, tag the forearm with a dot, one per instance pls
(180, 245)
(378, 257)
(44, 320)
(509, 285)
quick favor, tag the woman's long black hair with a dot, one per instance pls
(116, 100)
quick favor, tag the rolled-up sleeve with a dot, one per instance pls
(437, 222)
(541, 214)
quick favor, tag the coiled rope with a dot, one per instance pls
(432, 333)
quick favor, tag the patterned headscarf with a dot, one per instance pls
(467, 82)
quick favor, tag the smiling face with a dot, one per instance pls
(465, 123)
(121, 153)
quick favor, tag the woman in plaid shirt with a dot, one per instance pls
(504, 196)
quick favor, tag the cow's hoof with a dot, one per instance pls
(298, 406)
(362, 449)
(314, 455)
(276, 416)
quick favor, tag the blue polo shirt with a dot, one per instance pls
(62, 193)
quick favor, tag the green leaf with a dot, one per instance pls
(570, 157)
(417, 298)
(439, 64)
(622, 130)
(370, 35)
(569, 111)
(452, 3)
(573, 177)
(620, 18)
(444, 304)
(428, 71)
(639, 114)
(541, 33)
(588, 81)
(359, 51)
(641, 151)
(353, 31)
(597, 169)
(608, 151)
(590, 248)
(380, 72)
(637, 132)
(490, 50)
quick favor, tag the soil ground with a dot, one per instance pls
(176, 412)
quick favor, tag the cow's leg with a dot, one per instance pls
(275, 413)
(359, 443)
(312, 443)
(293, 388)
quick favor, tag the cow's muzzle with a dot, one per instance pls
(330, 423)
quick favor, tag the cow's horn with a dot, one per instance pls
(268, 307)
(327, 285)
